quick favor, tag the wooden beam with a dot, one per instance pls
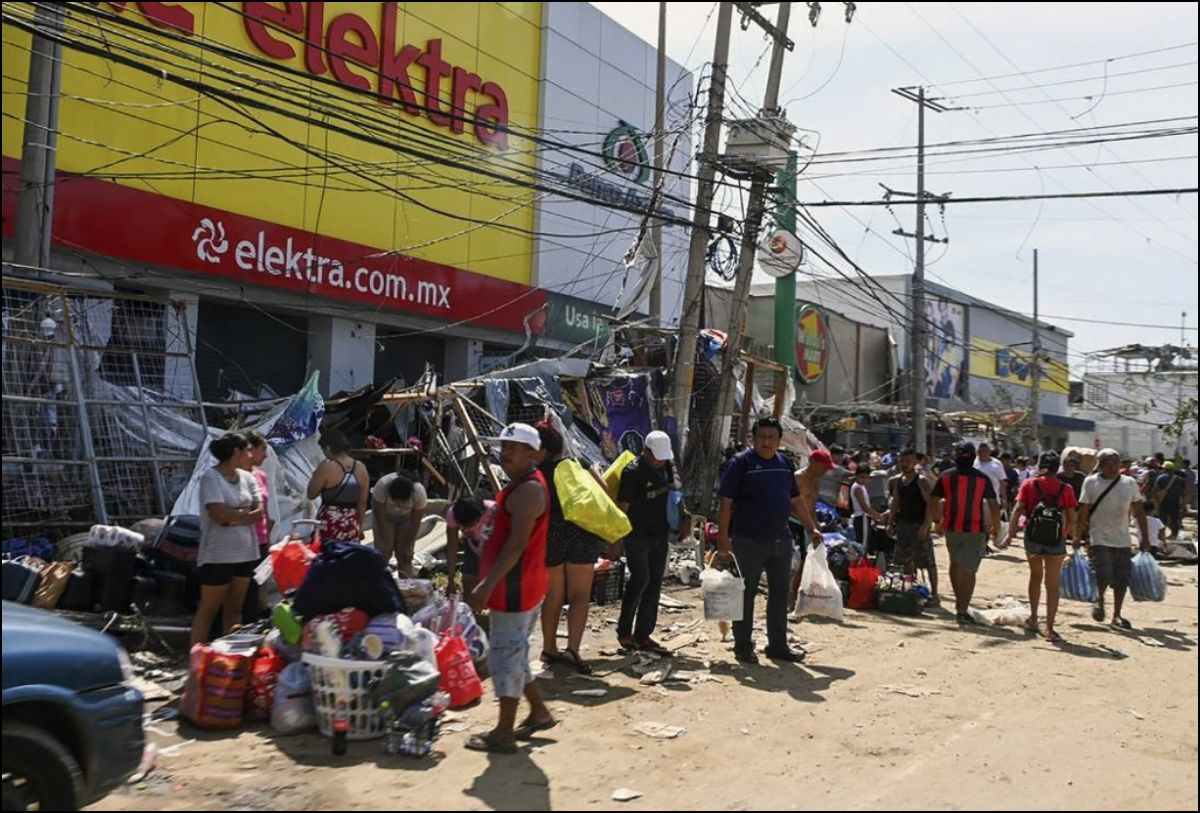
(473, 436)
(747, 399)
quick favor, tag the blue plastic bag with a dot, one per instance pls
(1078, 582)
(1147, 582)
(675, 510)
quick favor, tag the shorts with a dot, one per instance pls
(1112, 566)
(1036, 549)
(567, 543)
(910, 550)
(508, 658)
(966, 549)
(222, 575)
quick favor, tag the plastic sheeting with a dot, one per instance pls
(288, 467)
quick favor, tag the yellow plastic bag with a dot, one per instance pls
(585, 503)
(612, 475)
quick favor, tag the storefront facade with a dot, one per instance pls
(355, 187)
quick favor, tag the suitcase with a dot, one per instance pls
(113, 569)
(21, 581)
(80, 595)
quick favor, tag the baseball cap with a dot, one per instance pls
(823, 457)
(519, 433)
(1170, 465)
(964, 450)
(659, 443)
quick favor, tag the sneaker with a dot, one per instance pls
(745, 656)
(786, 655)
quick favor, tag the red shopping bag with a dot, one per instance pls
(290, 563)
(863, 576)
(459, 678)
(264, 675)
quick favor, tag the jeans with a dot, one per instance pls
(753, 557)
(647, 559)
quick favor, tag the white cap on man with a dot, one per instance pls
(1105, 454)
(659, 444)
(520, 433)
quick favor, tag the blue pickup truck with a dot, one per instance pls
(72, 718)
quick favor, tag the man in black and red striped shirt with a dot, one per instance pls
(959, 497)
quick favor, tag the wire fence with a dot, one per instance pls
(102, 420)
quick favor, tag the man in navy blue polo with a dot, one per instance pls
(759, 493)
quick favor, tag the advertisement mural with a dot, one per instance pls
(1013, 365)
(361, 150)
(945, 349)
(812, 344)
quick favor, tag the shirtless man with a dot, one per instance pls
(808, 480)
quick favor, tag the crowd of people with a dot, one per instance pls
(518, 557)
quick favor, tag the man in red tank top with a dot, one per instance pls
(514, 580)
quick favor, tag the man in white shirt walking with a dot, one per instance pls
(1108, 497)
(994, 470)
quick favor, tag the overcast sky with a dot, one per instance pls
(1116, 260)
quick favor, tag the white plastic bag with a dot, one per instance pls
(722, 592)
(819, 593)
(294, 710)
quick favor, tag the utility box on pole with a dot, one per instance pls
(760, 144)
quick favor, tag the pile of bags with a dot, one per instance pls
(348, 643)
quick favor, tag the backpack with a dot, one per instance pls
(1046, 520)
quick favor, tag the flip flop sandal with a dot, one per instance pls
(1052, 636)
(572, 659)
(482, 742)
(553, 657)
(529, 727)
(1031, 625)
(1122, 624)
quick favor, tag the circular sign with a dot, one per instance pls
(625, 153)
(780, 254)
(812, 344)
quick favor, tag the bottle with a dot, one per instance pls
(341, 728)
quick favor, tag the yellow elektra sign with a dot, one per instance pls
(368, 122)
(1001, 362)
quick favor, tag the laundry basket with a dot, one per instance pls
(336, 681)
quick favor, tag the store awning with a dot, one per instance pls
(1068, 423)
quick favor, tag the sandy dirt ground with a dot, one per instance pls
(887, 711)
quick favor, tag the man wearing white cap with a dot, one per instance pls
(646, 485)
(512, 565)
(1107, 499)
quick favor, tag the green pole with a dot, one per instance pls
(785, 287)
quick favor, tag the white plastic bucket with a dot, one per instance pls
(723, 594)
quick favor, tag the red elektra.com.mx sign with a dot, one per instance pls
(115, 221)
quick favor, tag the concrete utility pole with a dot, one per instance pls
(693, 290)
(750, 230)
(35, 198)
(1035, 370)
(918, 322)
(660, 119)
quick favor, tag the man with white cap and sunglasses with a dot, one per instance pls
(512, 565)
(646, 486)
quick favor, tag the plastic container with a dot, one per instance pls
(722, 591)
(608, 584)
(340, 691)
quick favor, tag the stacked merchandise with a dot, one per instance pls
(900, 593)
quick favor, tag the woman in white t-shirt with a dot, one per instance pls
(230, 507)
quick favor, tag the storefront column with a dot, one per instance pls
(179, 382)
(463, 359)
(343, 350)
